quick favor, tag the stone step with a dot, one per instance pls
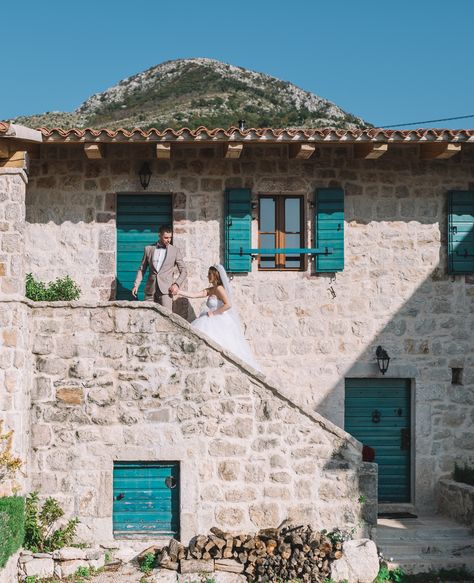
(454, 547)
(412, 565)
(428, 543)
(424, 534)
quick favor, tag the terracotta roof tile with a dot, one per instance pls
(4, 127)
(203, 134)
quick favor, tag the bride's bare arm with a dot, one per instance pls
(200, 294)
(224, 298)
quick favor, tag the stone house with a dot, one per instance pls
(143, 427)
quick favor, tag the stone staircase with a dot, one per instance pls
(427, 543)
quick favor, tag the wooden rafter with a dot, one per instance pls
(15, 159)
(233, 151)
(163, 151)
(94, 151)
(302, 151)
(439, 151)
(4, 150)
(370, 151)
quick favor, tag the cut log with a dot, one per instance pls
(194, 566)
(228, 565)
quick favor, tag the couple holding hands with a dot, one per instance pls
(218, 319)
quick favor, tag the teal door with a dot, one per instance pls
(138, 219)
(146, 499)
(377, 413)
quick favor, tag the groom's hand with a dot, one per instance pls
(134, 291)
(173, 290)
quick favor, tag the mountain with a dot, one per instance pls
(194, 92)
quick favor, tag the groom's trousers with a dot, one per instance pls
(163, 299)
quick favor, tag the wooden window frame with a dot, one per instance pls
(279, 233)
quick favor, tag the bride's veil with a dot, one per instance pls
(240, 345)
(233, 312)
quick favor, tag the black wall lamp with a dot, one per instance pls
(145, 175)
(383, 359)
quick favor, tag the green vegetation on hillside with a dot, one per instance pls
(195, 92)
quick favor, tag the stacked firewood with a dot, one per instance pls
(292, 552)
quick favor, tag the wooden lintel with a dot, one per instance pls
(16, 159)
(94, 151)
(163, 151)
(233, 150)
(439, 151)
(370, 151)
(302, 151)
(4, 150)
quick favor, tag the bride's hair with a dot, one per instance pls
(216, 274)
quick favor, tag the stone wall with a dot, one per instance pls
(121, 382)
(14, 324)
(394, 291)
(456, 500)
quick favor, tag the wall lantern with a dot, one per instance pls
(383, 359)
(241, 123)
(145, 175)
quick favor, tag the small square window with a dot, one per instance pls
(456, 376)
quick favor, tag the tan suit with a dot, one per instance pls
(159, 282)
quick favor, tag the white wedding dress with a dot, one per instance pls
(225, 329)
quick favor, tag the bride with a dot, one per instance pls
(219, 318)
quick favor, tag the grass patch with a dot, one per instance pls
(386, 575)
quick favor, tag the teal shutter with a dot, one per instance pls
(146, 499)
(461, 232)
(138, 219)
(238, 230)
(329, 229)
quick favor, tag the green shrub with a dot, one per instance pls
(148, 563)
(465, 474)
(40, 532)
(385, 575)
(12, 526)
(61, 290)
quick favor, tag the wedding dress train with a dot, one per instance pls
(225, 329)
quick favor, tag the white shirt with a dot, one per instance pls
(159, 255)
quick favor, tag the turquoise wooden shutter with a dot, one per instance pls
(146, 499)
(461, 232)
(138, 219)
(329, 229)
(238, 230)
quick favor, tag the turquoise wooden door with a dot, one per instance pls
(138, 219)
(146, 499)
(377, 413)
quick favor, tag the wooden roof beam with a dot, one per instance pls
(15, 159)
(4, 150)
(370, 150)
(94, 151)
(233, 151)
(301, 151)
(163, 151)
(439, 151)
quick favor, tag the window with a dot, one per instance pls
(281, 227)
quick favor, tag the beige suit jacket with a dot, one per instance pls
(159, 282)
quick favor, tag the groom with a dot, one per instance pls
(160, 260)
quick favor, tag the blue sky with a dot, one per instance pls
(388, 61)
